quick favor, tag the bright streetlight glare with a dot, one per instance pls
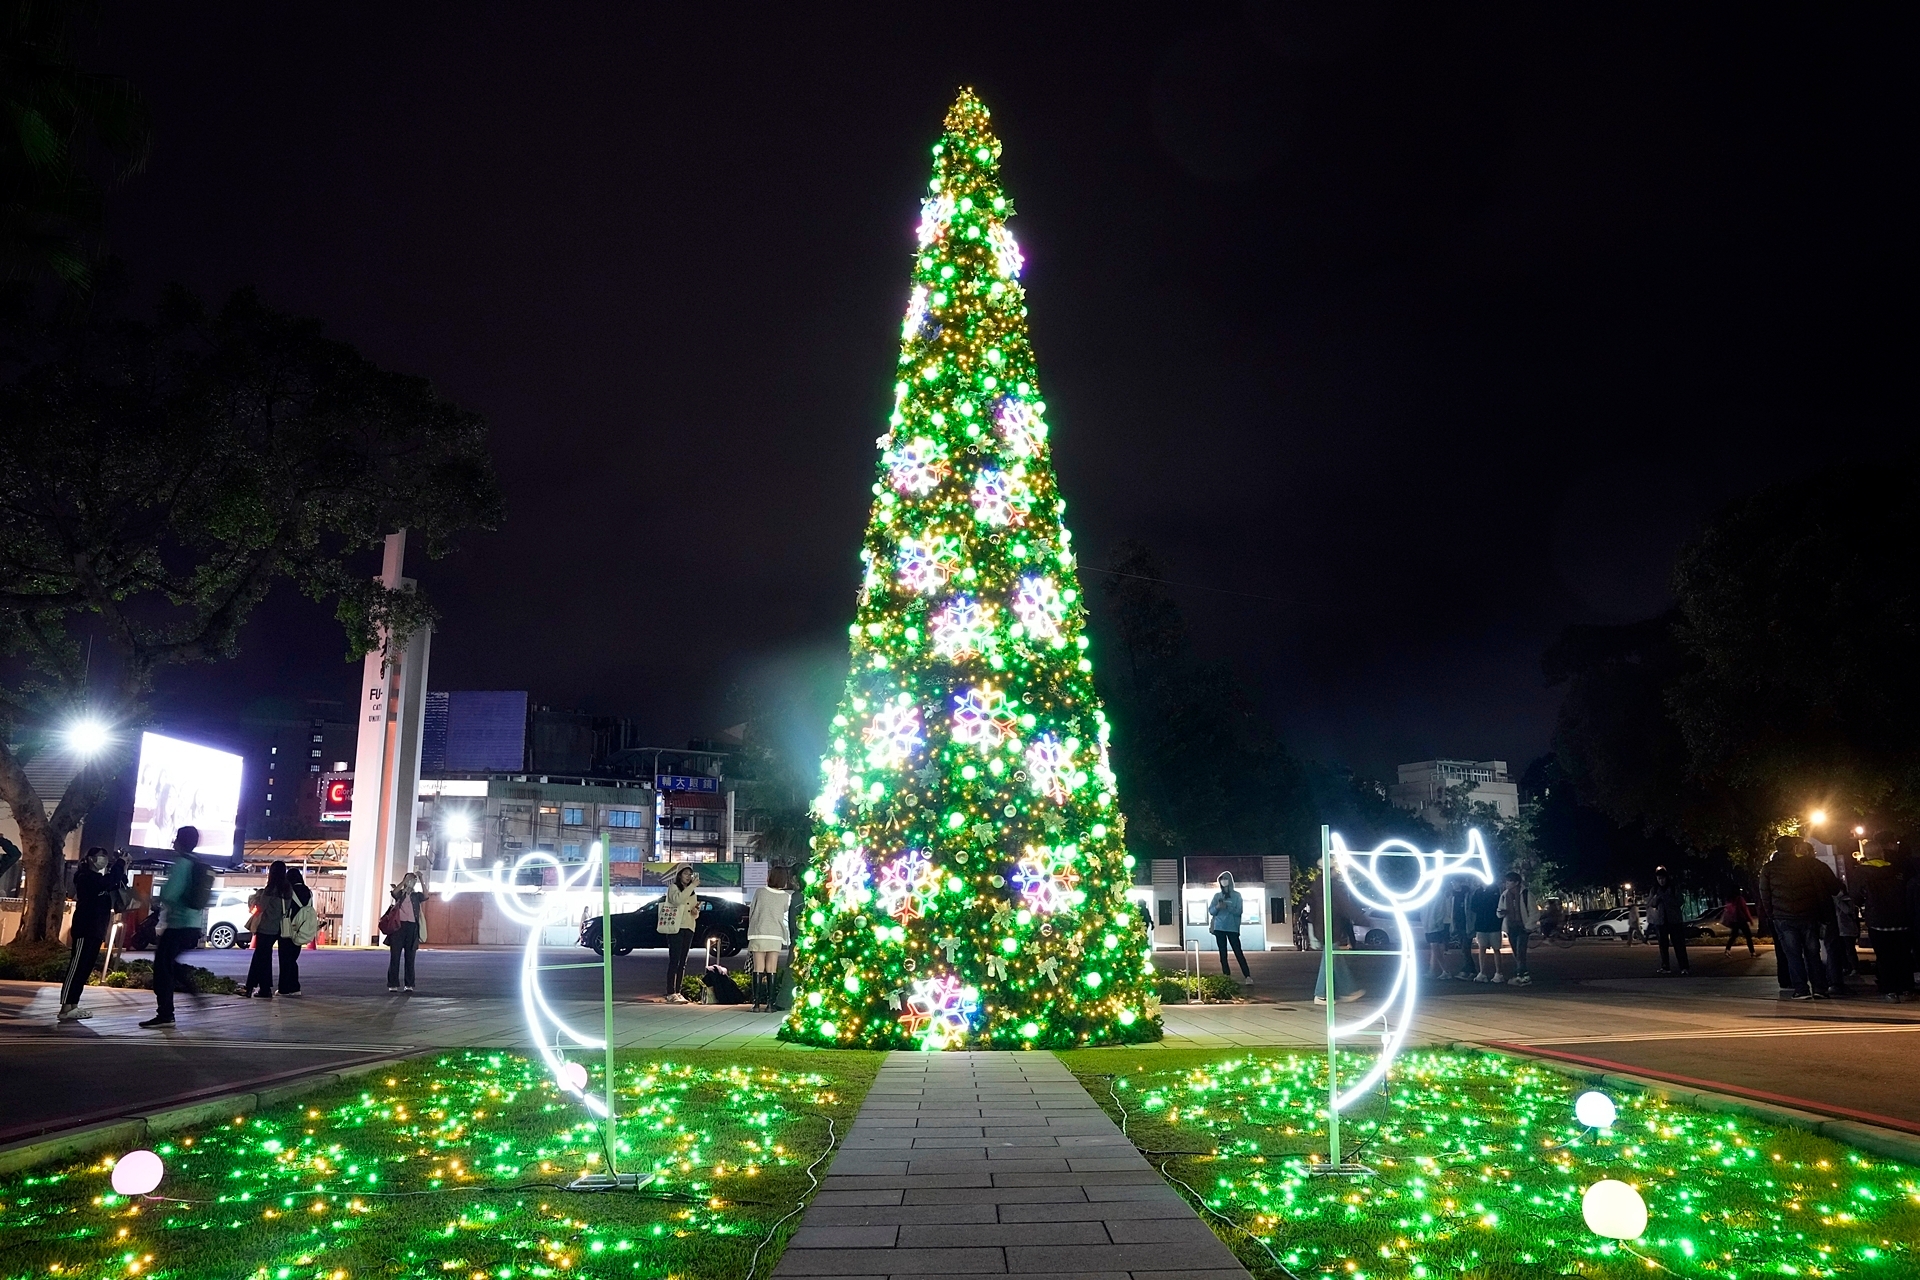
(458, 827)
(87, 737)
(1819, 817)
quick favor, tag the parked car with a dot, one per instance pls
(1706, 924)
(719, 918)
(1374, 931)
(1615, 924)
(227, 914)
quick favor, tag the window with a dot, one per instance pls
(570, 852)
(318, 738)
(1166, 911)
(269, 795)
(276, 751)
(315, 754)
(1278, 909)
(623, 817)
(313, 768)
(572, 816)
(1196, 911)
(269, 813)
(623, 853)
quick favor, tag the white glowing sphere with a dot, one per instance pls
(137, 1173)
(1595, 1110)
(1614, 1209)
(575, 1074)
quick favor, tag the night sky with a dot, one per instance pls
(1426, 330)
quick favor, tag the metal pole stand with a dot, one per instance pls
(612, 1179)
(1334, 1167)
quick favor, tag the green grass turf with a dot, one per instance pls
(434, 1168)
(1481, 1167)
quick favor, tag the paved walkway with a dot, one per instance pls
(967, 1164)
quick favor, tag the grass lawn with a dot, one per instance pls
(451, 1166)
(1481, 1167)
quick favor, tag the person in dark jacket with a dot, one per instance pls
(271, 911)
(1737, 916)
(1484, 903)
(409, 900)
(94, 882)
(1796, 891)
(1889, 919)
(299, 897)
(1666, 917)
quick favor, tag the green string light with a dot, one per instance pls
(1481, 1166)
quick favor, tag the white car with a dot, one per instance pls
(227, 919)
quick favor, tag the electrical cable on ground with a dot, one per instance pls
(1198, 1199)
(833, 1139)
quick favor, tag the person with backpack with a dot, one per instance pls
(404, 928)
(96, 883)
(183, 914)
(271, 909)
(302, 926)
(1521, 918)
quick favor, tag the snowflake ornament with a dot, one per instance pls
(964, 628)
(847, 877)
(893, 736)
(906, 883)
(925, 564)
(1037, 603)
(999, 498)
(1046, 879)
(916, 466)
(826, 805)
(936, 212)
(940, 1011)
(1050, 768)
(916, 312)
(1021, 430)
(1007, 258)
(981, 717)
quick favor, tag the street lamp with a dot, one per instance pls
(458, 826)
(87, 737)
(1818, 817)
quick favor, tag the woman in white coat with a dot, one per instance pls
(767, 932)
(679, 913)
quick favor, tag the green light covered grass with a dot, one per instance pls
(1481, 1167)
(430, 1169)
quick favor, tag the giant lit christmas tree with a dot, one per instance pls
(968, 882)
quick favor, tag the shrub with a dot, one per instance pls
(138, 975)
(1211, 986)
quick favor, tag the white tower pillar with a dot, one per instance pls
(386, 768)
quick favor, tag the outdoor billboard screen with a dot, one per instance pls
(183, 784)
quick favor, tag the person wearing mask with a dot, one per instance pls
(1667, 919)
(1437, 921)
(1484, 903)
(1223, 918)
(1737, 916)
(94, 884)
(1890, 920)
(1796, 889)
(183, 914)
(1521, 918)
(679, 914)
(767, 934)
(406, 915)
(1338, 937)
(300, 928)
(270, 912)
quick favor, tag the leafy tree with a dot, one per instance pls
(66, 137)
(156, 479)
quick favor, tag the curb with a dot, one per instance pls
(1890, 1143)
(132, 1131)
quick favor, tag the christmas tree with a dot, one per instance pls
(969, 872)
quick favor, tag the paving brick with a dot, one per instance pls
(906, 1182)
(1044, 1193)
(886, 1196)
(845, 1237)
(934, 1236)
(1087, 1179)
(1094, 1210)
(1141, 1230)
(1106, 1164)
(1136, 1189)
(819, 1215)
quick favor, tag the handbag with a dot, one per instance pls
(120, 900)
(390, 922)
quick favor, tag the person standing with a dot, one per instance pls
(1521, 918)
(300, 928)
(408, 919)
(1846, 917)
(94, 884)
(1338, 937)
(1436, 921)
(1224, 910)
(1796, 889)
(679, 915)
(1463, 928)
(1667, 919)
(270, 912)
(767, 934)
(1737, 916)
(1890, 921)
(183, 914)
(1485, 906)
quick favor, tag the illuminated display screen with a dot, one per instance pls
(183, 784)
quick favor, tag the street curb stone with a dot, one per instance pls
(1890, 1143)
(132, 1131)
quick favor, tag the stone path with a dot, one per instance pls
(965, 1164)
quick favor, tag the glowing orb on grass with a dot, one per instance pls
(137, 1173)
(575, 1074)
(1612, 1208)
(1595, 1110)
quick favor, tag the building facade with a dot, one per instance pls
(1424, 784)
